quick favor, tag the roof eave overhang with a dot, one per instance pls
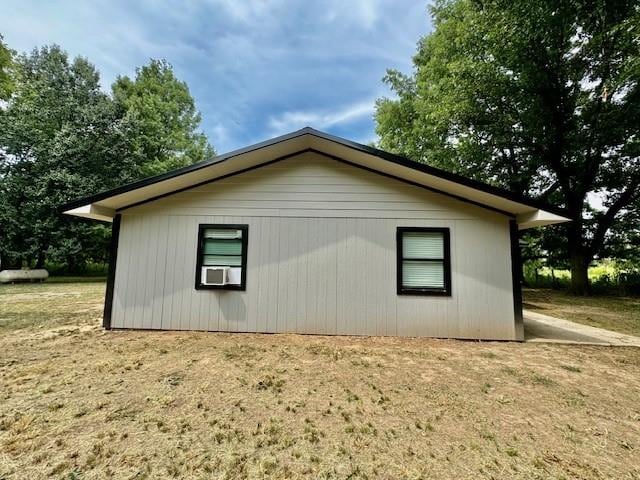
(104, 206)
(539, 218)
(93, 211)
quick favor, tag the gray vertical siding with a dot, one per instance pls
(321, 257)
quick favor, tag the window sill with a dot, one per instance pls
(221, 287)
(427, 292)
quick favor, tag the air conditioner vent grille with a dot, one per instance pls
(215, 276)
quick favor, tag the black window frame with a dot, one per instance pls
(243, 261)
(426, 291)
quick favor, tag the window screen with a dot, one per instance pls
(423, 261)
(222, 246)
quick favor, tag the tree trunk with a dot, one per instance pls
(579, 258)
(579, 274)
(40, 259)
(72, 265)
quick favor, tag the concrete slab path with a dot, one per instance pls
(543, 328)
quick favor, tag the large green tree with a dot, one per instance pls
(168, 122)
(6, 78)
(541, 97)
(60, 137)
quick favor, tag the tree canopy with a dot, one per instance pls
(6, 63)
(165, 116)
(540, 97)
(62, 137)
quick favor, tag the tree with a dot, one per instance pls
(540, 97)
(6, 79)
(61, 137)
(624, 243)
(166, 117)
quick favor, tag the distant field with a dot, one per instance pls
(595, 272)
(621, 314)
(81, 403)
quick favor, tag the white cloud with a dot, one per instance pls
(247, 11)
(362, 13)
(218, 135)
(293, 120)
(255, 68)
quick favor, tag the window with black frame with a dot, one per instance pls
(222, 257)
(424, 261)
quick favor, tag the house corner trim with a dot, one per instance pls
(516, 272)
(111, 275)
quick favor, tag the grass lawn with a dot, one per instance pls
(78, 402)
(621, 314)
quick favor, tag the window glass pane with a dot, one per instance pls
(423, 245)
(222, 247)
(222, 233)
(422, 274)
(221, 261)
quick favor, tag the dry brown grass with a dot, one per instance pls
(77, 402)
(50, 305)
(621, 314)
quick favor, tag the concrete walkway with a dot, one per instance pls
(543, 328)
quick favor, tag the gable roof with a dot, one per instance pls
(528, 212)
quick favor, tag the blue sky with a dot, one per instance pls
(257, 69)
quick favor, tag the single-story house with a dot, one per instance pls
(312, 233)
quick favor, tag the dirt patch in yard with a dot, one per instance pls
(78, 402)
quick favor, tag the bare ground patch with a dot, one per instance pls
(77, 402)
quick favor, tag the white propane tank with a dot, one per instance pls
(11, 276)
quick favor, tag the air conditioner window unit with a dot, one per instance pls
(215, 275)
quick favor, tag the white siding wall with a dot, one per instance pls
(321, 257)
